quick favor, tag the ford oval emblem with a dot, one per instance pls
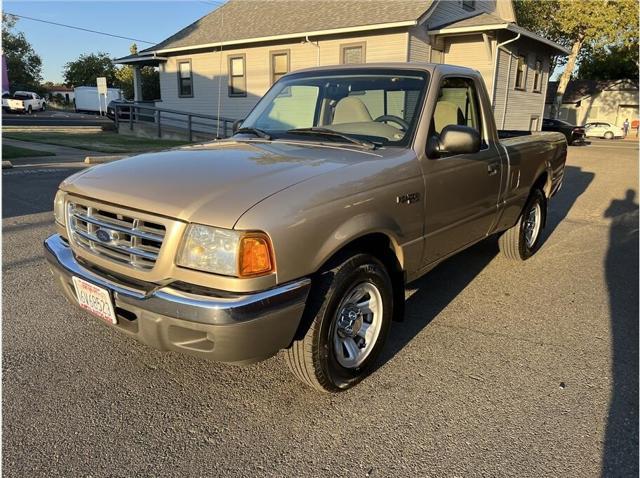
(103, 235)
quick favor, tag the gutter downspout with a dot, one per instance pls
(495, 65)
(317, 45)
(506, 94)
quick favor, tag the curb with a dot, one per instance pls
(102, 159)
(7, 165)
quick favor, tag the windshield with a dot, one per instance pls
(379, 106)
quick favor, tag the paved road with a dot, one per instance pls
(54, 118)
(499, 369)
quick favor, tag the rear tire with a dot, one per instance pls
(523, 240)
(608, 135)
(349, 309)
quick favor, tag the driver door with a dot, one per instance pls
(461, 190)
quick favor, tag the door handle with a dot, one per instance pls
(492, 168)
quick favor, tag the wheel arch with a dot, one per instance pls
(384, 247)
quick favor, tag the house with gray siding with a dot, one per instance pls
(224, 62)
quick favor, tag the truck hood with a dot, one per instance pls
(213, 183)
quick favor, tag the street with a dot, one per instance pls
(54, 118)
(499, 369)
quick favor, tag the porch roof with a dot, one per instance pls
(483, 22)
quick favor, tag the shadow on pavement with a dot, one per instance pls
(620, 455)
(439, 287)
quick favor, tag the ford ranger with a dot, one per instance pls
(300, 231)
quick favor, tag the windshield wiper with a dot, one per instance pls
(329, 132)
(258, 132)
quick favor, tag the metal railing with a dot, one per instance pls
(191, 123)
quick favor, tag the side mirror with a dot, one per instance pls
(454, 139)
(236, 126)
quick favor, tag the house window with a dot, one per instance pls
(279, 65)
(469, 4)
(237, 76)
(537, 76)
(521, 73)
(185, 79)
(353, 53)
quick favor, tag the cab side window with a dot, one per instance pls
(457, 105)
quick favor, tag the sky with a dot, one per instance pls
(150, 20)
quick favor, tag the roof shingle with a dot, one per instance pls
(579, 89)
(245, 19)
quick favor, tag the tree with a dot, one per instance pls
(615, 63)
(149, 76)
(85, 70)
(23, 63)
(591, 23)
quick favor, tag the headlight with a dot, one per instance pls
(58, 208)
(226, 252)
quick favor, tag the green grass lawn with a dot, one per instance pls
(104, 141)
(13, 152)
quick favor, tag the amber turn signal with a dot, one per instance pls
(255, 256)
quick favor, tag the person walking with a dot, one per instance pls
(625, 127)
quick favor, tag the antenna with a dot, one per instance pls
(220, 75)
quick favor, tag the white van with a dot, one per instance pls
(86, 98)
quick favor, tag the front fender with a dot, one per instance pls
(355, 228)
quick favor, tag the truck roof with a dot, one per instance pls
(428, 67)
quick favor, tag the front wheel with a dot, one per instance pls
(44, 107)
(523, 240)
(349, 310)
(29, 110)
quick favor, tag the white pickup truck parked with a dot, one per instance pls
(24, 101)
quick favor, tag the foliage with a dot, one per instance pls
(88, 67)
(615, 63)
(150, 82)
(596, 22)
(588, 23)
(23, 63)
(149, 75)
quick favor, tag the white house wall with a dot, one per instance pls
(524, 104)
(447, 11)
(470, 51)
(209, 71)
(419, 46)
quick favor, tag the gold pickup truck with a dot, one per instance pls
(300, 232)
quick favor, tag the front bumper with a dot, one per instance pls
(236, 328)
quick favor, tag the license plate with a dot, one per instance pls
(95, 299)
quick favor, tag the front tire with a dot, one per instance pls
(349, 310)
(29, 110)
(523, 240)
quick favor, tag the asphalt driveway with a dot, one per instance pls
(499, 369)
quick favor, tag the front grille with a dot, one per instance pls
(119, 237)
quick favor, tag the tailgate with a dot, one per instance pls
(15, 103)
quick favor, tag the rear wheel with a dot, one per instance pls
(349, 310)
(523, 240)
(608, 135)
